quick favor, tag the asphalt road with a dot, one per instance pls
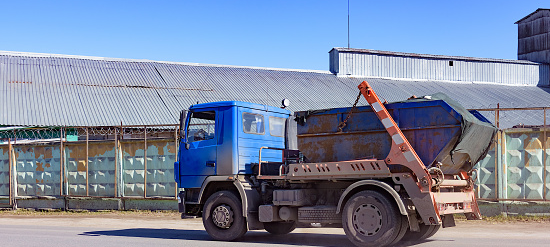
(154, 231)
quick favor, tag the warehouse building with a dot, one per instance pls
(60, 90)
(107, 127)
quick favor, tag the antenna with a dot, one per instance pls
(348, 24)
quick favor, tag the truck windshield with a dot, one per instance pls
(201, 126)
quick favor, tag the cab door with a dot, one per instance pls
(198, 157)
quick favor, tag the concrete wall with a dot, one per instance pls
(517, 168)
(95, 175)
(138, 174)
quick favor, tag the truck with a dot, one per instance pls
(239, 167)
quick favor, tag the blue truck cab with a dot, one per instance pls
(224, 138)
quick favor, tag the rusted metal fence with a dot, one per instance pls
(122, 161)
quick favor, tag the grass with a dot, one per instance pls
(508, 218)
(518, 218)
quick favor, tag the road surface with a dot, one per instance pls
(131, 230)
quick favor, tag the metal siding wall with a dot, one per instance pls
(38, 170)
(161, 155)
(333, 61)
(533, 39)
(545, 72)
(4, 171)
(371, 65)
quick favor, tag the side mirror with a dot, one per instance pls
(183, 115)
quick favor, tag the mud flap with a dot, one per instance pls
(447, 220)
(181, 203)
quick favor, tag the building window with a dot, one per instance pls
(450, 63)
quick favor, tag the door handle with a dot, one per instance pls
(210, 163)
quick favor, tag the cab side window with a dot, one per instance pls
(253, 123)
(277, 126)
(202, 126)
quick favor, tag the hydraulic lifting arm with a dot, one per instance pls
(401, 151)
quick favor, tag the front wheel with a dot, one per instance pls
(280, 228)
(222, 216)
(370, 219)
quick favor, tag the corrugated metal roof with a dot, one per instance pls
(51, 90)
(474, 96)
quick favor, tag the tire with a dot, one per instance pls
(434, 231)
(279, 228)
(403, 230)
(425, 232)
(371, 219)
(222, 216)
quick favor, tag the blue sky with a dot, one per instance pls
(281, 34)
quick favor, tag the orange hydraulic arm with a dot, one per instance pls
(401, 151)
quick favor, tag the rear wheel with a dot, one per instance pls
(371, 219)
(434, 231)
(425, 232)
(222, 216)
(402, 230)
(280, 228)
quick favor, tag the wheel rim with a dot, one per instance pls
(367, 219)
(222, 216)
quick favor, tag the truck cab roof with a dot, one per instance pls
(239, 104)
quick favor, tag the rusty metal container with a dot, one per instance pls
(435, 128)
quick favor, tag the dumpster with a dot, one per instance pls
(438, 128)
